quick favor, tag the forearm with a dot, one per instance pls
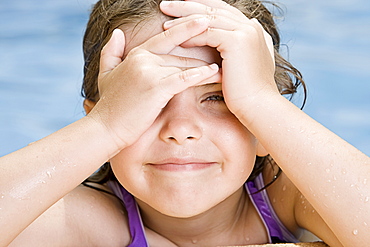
(332, 174)
(35, 177)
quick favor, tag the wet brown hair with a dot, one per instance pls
(108, 15)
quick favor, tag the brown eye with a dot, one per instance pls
(216, 97)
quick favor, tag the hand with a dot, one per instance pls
(133, 91)
(246, 49)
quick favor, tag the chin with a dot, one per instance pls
(184, 211)
(180, 205)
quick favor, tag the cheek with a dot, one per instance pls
(127, 164)
(238, 146)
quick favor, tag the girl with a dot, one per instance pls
(185, 110)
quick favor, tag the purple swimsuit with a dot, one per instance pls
(277, 232)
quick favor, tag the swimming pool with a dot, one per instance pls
(41, 65)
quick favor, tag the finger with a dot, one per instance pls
(268, 39)
(216, 78)
(216, 21)
(178, 82)
(207, 7)
(220, 5)
(112, 52)
(166, 41)
(180, 62)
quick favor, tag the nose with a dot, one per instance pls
(180, 130)
(179, 124)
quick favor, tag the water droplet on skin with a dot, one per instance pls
(327, 170)
(344, 171)
(309, 164)
(194, 241)
(365, 224)
(367, 199)
(355, 232)
(49, 174)
(365, 181)
(284, 188)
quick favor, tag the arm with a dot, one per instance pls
(84, 217)
(35, 177)
(331, 174)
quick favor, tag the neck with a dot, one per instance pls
(221, 223)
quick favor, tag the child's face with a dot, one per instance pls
(195, 155)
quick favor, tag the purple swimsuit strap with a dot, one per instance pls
(138, 238)
(264, 211)
(276, 230)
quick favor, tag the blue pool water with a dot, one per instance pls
(41, 65)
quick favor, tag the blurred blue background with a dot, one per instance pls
(41, 65)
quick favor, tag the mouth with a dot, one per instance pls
(181, 165)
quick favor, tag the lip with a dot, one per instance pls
(176, 164)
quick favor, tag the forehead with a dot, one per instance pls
(137, 34)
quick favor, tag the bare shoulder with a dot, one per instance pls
(84, 217)
(283, 195)
(295, 211)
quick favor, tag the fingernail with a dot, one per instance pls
(164, 3)
(214, 66)
(167, 24)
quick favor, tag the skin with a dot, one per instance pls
(253, 109)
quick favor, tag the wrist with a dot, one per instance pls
(259, 107)
(104, 134)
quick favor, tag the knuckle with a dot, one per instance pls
(243, 36)
(184, 76)
(212, 17)
(211, 10)
(184, 61)
(167, 33)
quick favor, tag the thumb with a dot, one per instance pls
(112, 52)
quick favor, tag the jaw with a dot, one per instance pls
(211, 224)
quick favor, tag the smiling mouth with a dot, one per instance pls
(178, 167)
